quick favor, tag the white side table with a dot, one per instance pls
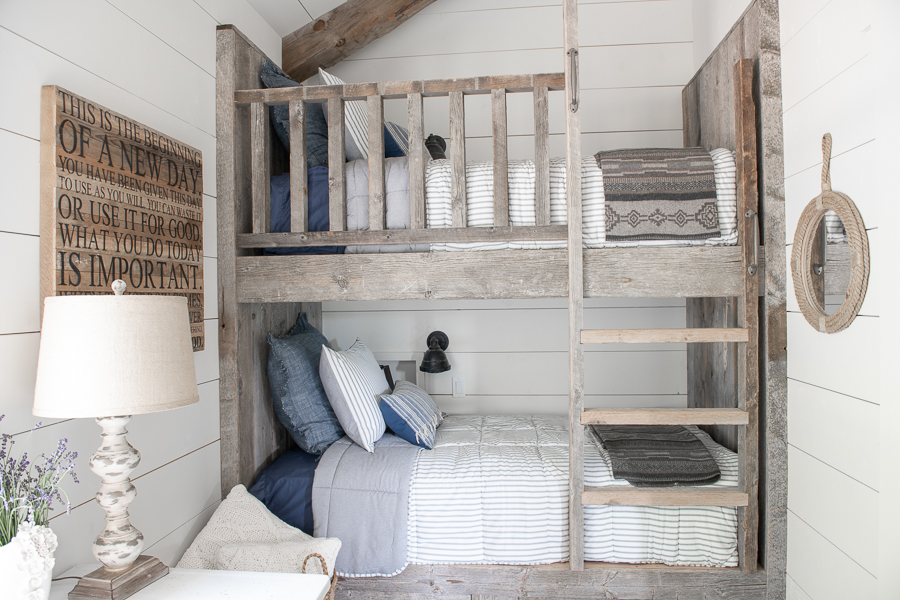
(200, 584)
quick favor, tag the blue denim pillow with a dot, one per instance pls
(297, 393)
(396, 140)
(411, 413)
(316, 125)
(317, 210)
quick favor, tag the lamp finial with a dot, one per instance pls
(118, 287)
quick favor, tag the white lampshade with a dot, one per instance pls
(105, 356)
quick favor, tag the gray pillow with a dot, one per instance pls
(316, 126)
(396, 192)
(297, 394)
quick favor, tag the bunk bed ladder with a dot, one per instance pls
(576, 287)
(745, 335)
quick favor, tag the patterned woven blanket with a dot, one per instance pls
(657, 455)
(659, 194)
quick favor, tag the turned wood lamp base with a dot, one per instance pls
(104, 584)
(119, 545)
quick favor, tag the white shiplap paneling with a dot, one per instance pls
(813, 410)
(822, 570)
(823, 497)
(20, 170)
(156, 64)
(834, 392)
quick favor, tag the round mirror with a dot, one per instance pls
(830, 257)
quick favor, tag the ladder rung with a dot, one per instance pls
(663, 336)
(664, 496)
(665, 416)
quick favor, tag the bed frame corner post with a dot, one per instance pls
(226, 117)
(747, 312)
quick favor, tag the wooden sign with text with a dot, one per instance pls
(118, 201)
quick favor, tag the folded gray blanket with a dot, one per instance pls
(659, 194)
(657, 455)
(364, 503)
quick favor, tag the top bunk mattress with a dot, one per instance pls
(596, 212)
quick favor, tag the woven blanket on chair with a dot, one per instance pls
(657, 455)
(659, 194)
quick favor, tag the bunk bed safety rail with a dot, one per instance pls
(374, 94)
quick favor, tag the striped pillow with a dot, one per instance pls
(354, 383)
(411, 413)
(355, 119)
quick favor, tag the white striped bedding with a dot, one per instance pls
(480, 202)
(495, 491)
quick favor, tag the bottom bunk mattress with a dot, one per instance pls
(494, 490)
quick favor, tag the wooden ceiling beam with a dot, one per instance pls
(339, 33)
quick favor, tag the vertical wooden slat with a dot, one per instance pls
(576, 294)
(337, 207)
(457, 159)
(299, 192)
(501, 163)
(259, 169)
(748, 316)
(416, 162)
(541, 157)
(376, 163)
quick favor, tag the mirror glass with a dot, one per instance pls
(837, 261)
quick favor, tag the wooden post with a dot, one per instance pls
(541, 157)
(501, 161)
(376, 164)
(458, 159)
(576, 288)
(337, 210)
(299, 191)
(747, 314)
(416, 162)
(259, 143)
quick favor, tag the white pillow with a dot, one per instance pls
(284, 557)
(240, 518)
(354, 383)
(356, 122)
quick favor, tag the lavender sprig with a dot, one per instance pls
(28, 489)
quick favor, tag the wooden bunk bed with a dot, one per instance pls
(735, 296)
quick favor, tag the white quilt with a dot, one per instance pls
(495, 491)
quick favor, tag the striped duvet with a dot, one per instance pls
(495, 491)
(480, 202)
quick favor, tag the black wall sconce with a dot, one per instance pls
(435, 361)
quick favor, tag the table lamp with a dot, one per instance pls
(109, 357)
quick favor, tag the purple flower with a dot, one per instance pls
(28, 489)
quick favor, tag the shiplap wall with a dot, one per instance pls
(634, 57)
(830, 85)
(154, 62)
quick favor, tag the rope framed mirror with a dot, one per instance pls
(808, 255)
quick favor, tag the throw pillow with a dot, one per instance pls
(354, 383)
(239, 518)
(317, 210)
(396, 138)
(411, 413)
(316, 125)
(299, 398)
(283, 557)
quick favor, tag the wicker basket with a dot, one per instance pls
(330, 594)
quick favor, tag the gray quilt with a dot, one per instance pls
(361, 498)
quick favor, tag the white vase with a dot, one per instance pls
(26, 563)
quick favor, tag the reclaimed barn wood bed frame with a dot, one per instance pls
(736, 317)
